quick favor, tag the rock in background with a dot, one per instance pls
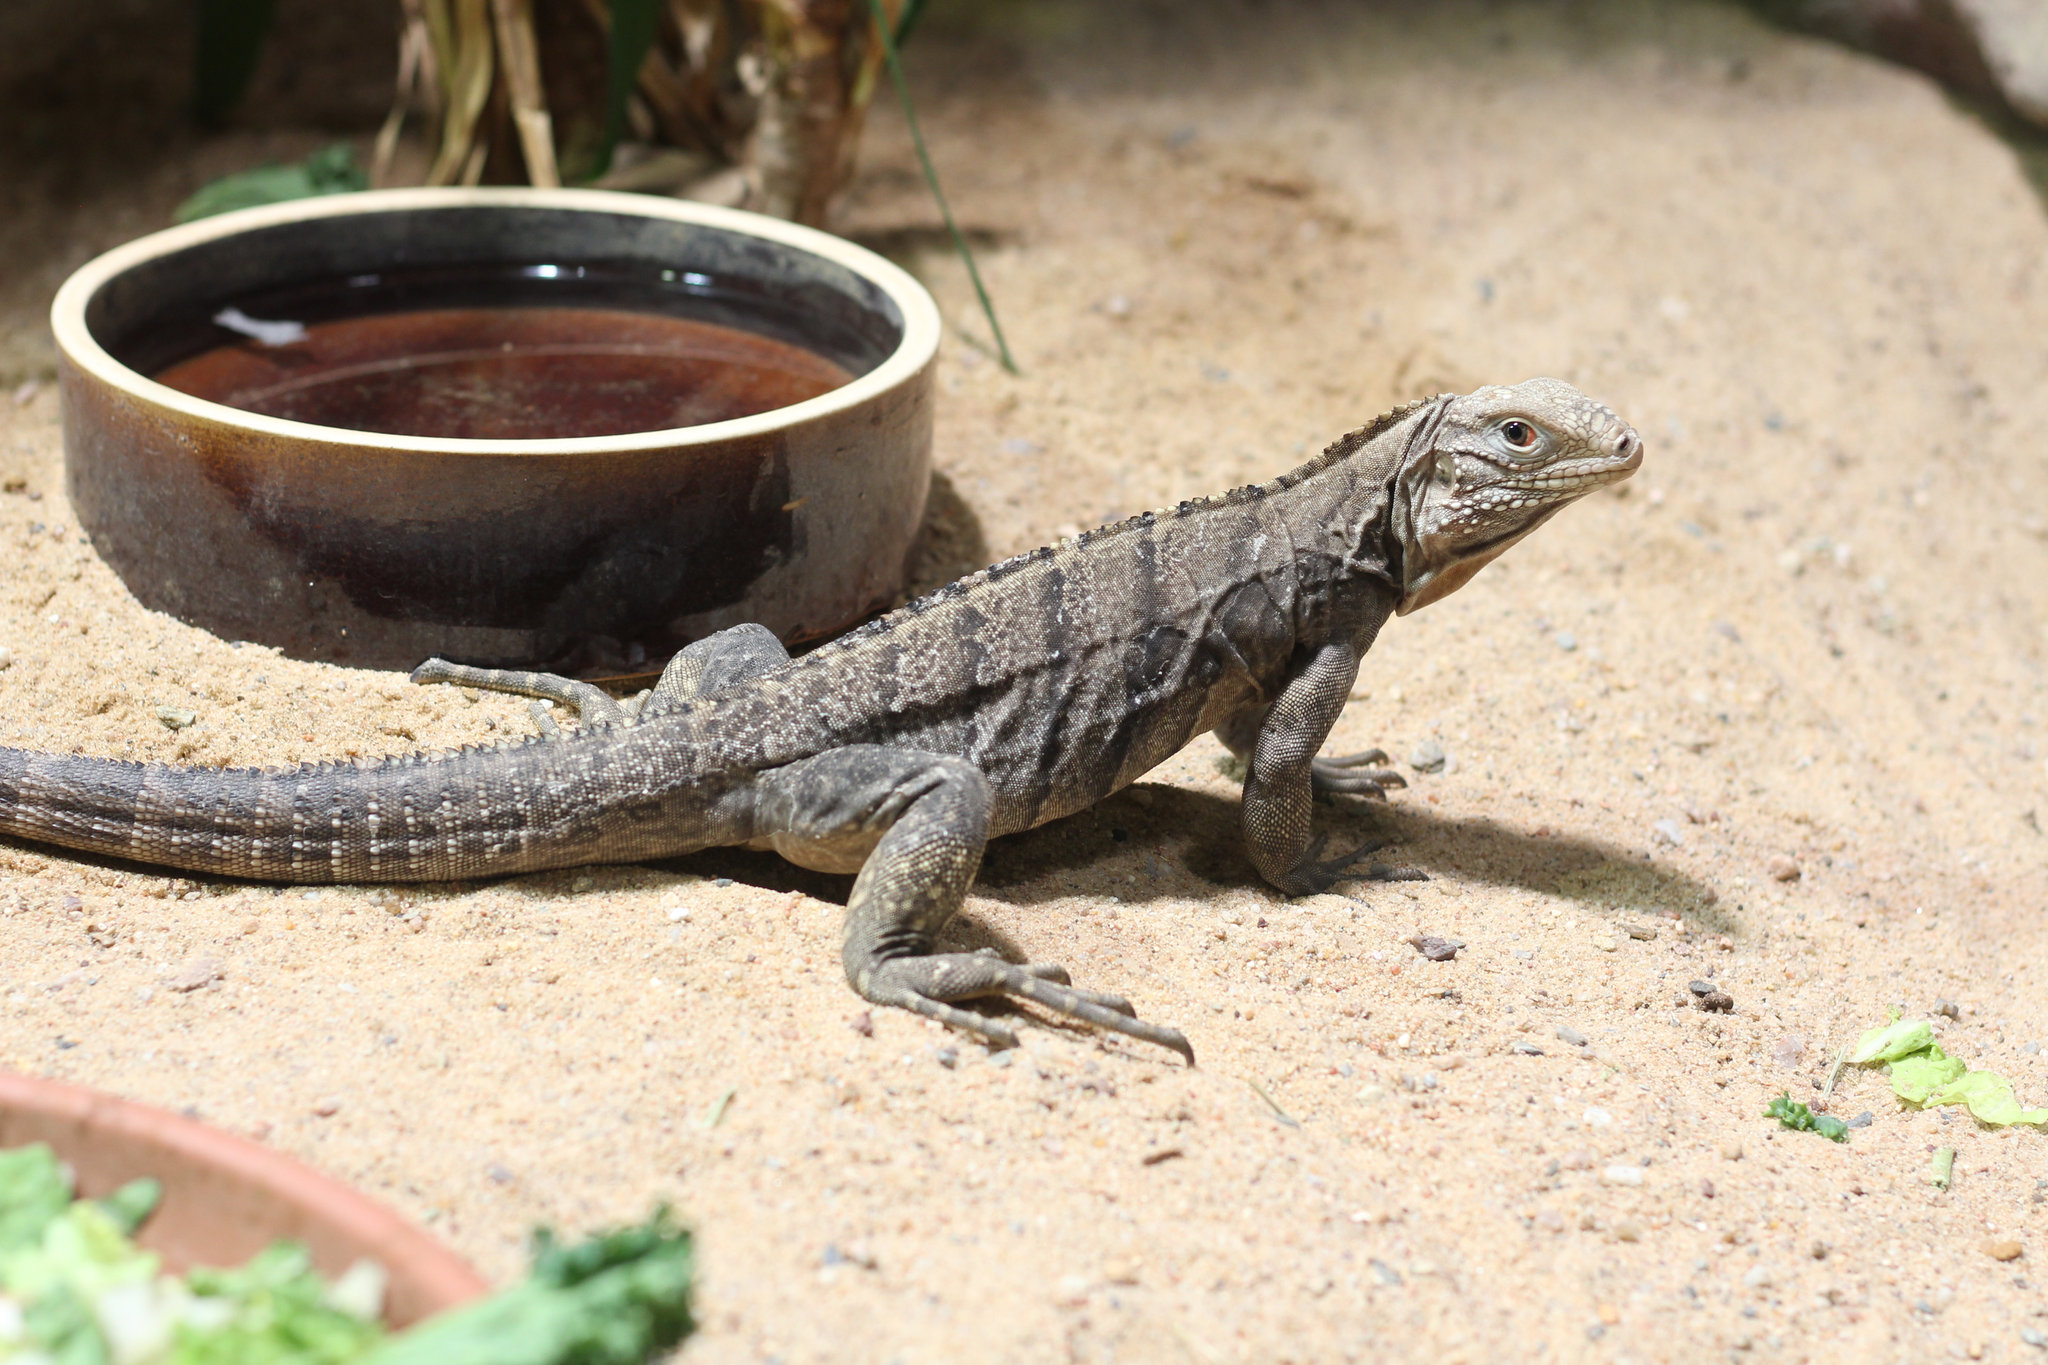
(1989, 48)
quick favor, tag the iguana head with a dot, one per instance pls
(1486, 469)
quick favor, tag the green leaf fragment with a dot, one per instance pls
(1790, 1113)
(331, 170)
(1942, 1169)
(34, 1192)
(1923, 1074)
(130, 1206)
(617, 1299)
(1916, 1077)
(1889, 1042)
(1989, 1098)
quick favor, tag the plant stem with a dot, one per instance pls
(931, 178)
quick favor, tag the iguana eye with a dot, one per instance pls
(1520, 436)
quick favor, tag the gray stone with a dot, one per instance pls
(1428, 757)
(1984, 47)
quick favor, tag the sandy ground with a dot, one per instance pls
(1810, 630)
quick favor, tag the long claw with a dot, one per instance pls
(929, 985)
(1314, 875)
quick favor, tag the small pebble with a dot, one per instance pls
(327, 1109)
(1787, 1051)
(949, 1057)
(2004, 1248)
(1717, 1002)
(1757, 1277)
(1863, 1120)
(1434, 948)
(1428, 757)
(1699, 987)
(1666, 832)
(1526, 1048)
(2035, 1338)
(195, 975)
(863, 1024)
(1948, 1009)
(1622, 1175)
(1567, 641)
(1731, 1151)
(721, 881)
(6, 658)
(1782, 869)
(1604, 942)
(498, 1174)
(177, 718)
(1567, 1034)
(1644, 932)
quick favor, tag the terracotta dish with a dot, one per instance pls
(565, 429)
(226, 1198)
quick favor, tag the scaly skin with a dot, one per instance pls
(1015, 696)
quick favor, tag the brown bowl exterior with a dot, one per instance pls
(595, 555)
(226, 1198)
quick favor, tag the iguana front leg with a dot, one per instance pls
(1349, 774)
(915, 824)
(1279, 783)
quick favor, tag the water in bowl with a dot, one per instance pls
(506, 353)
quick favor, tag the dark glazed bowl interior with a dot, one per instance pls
(573, 521)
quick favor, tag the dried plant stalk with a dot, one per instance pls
(520, 54)
(767, 96)
(466, 55)
(818, 61)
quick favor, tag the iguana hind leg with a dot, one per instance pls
(915, 824)
(592, 704)
(731, 656)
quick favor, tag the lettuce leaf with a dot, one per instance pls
(1889, 1042)
(1916, 1077)
(1989, 1098)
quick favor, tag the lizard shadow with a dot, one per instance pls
(1184, 841)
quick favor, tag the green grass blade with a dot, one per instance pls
(913, 10)
(231, 34)
(633, 26)
(931, 176)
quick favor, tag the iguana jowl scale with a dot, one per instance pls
(1017, 695)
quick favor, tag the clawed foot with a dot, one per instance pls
(929, 986)
(1314, 875)
(1354, 775)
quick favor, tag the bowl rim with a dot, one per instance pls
(919, 343)
(436, 1272)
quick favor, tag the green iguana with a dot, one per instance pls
(1017, 695)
